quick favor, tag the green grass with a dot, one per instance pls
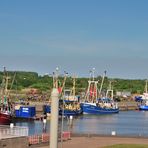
(128, 146)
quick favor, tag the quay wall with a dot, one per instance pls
(123, 106)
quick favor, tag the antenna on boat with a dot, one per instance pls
(104, 74)
(93, 73)
(90, 74)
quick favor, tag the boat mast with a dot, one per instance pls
(56, 80)
(110, 89)
(104, 74)
(12, 83)
(56, 77)
(146, 86)
(92, 88)
(4, 86)
(73, 88)
(6, 80)
(65, 77)
(94, 85)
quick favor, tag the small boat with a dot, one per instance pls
(144, 100)
(6, 109)
(95, 105)
(143, 107)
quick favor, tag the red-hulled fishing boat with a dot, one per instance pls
(6, 110)
(5, 118)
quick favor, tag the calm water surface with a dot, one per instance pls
(125, 123)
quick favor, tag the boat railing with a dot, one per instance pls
(11, 130)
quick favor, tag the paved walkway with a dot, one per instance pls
(98, 142)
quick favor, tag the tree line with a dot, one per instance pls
(25, 79)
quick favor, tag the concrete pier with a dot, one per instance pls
(13, 142)
(13, 136)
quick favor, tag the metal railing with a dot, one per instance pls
(11, 130)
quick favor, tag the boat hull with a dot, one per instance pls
(143, 107)
(67, 112)
(93, 109)
(5, 118)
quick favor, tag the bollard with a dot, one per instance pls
(44, 121)
(11, 125)
(71, 117)
(11, 128)
(44, 125)
(113, 133)
(71, 120)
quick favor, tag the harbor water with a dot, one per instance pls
(125, 123)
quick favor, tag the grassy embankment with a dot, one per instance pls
(127, 146)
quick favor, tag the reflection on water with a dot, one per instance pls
(35, 127)
(126, 123)
(95, 124)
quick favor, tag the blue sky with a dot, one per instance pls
(75, 35)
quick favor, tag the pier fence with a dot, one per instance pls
(8, 131)
(45, 138)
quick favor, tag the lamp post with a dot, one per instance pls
(54, 118)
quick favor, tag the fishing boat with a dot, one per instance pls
(144, 98)
(68, 102)
(95, 105)
(6, 110)
(71, 108)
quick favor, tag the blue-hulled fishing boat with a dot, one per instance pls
(93, 108)
(95, 105)
(68, 103)
(144, 98)
(66, 108)
(143, 107)
(71, 108)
